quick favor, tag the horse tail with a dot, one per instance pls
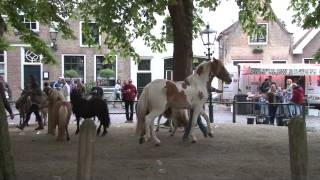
(142, 110)
(63, 120)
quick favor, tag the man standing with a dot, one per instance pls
(97, 90)
(65, 90)
(129, 93)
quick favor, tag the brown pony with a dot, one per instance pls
(24, 103)
(61, 113)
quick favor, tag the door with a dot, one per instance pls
(142, 80)
(34, 70)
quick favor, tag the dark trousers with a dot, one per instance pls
(33, 109)
(129, 104)
(272, 113)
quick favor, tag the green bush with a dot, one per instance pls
(106, 73)
(89, 85)
(71, 73)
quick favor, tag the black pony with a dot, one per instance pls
(83, 108)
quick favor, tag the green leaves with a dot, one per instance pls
(307, 13)
(42, 11)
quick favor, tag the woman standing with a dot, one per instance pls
(272, 98)
(33, 90)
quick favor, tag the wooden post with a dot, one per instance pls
(86, 149)
(298, 148)
(234, 111)
(7, 170)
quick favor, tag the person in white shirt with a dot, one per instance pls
(117, 92)
(65, 90)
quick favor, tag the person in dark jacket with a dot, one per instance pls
(272, 98)
(5, 101)
(129, 93)
(34, 91)
(97, 90)
(297, 98)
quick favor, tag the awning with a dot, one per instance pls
(284, 69)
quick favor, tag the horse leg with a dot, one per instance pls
(67, 133)
(173, 125)
(159, 118)
(205, 116)
(150, 126)
(99, 129)
(195, 115)
(104, 129)
(78, 121)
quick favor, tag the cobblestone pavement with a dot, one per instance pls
(222, 114)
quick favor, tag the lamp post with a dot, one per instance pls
(53, 38)
(208, 37)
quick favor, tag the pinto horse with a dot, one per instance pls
(88, 108)
(192, 93)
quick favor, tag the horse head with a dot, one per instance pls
(219, 70)
(55, 95)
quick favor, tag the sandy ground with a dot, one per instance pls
(235, 152)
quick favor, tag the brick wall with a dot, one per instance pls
(69, 47)
(235, 45)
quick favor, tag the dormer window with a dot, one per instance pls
(261, 37)
(94, 33)
(30, 24)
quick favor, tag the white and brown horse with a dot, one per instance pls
(191, 94)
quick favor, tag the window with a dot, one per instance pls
(279, 62)
(310, 61)
(169, 74)
(246, 62)
(2, 64)
(110, 80)
(260, 37)
(94, 34)
(31, 57)
(74, 63)
(144, 65)
(32, 25)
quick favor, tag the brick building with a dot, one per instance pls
(19, 61)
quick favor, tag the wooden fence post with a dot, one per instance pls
(234, 111)
(298, 148)
(86, 149)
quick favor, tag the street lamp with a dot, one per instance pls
(53, 38)
(208, 37)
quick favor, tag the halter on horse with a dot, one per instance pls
(191, 93)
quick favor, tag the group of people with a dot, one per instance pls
(293, 93)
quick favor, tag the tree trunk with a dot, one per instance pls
(181, 13)
(7, 170)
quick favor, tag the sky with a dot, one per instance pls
(227, 13)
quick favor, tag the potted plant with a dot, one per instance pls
(106, 73)
(71, 74)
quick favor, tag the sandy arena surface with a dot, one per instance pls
(235, 152)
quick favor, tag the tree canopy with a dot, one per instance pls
(125, 21)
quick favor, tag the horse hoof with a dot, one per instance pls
(210, 134)
(68, 139)
(77, 131)
(171, 134)
(194, 141)
(185, 139)
(141, 140)
(157, 144)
